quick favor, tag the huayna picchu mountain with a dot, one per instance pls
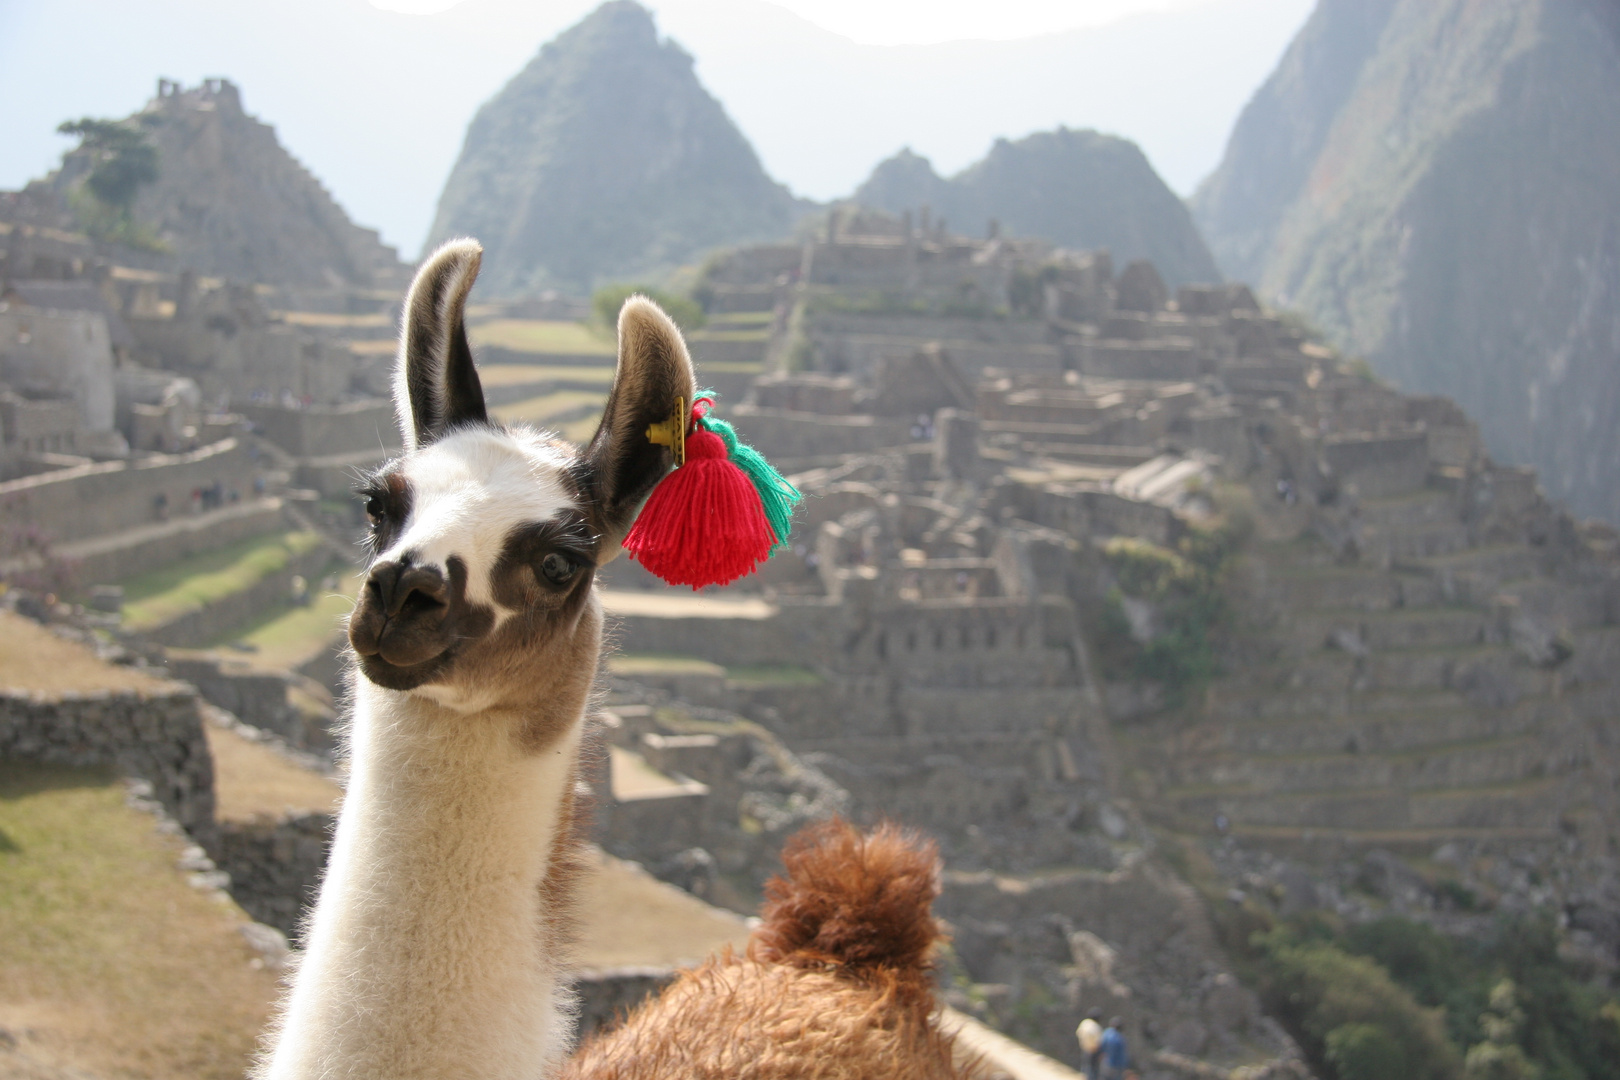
(229, 201)
(1077, 189)
(1436, 184)
(605, 158)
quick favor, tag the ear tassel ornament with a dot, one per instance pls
(721, 513)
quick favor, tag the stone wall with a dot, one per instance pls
(1378, 465)
(783, 435)
(325, 430)
(606, 996)
(61, 352)
(275, 866)
(93, 500)
(156, 736)
(134, 551)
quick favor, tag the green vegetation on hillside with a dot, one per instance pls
(288, 634)
(161, 596)
(606, 302)
(1398, 998)
(1160, 620)
(122, 161)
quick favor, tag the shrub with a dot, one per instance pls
(1364, 1052)
(606, 302)
(1326, 996)
(1183, 589)
(122, 161)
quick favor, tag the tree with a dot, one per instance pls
(122, 159)
(607, 301)
(1499, 1056)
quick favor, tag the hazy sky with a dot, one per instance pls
(925, 22)
(375, 102)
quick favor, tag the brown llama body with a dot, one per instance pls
(837, 983)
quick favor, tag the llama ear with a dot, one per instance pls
(621, 465)
(436, 386)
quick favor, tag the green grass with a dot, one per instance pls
(120, 967)
(761, 675)
(289, 634)
(540, 410)
(509, 374)
(700, 336)
(731, 367)
(161, 596)
(662, 664)
(732, 319)
(544, 336)
(747, 675)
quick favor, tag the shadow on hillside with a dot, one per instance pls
(20, 779)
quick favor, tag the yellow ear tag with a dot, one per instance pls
(672, 432)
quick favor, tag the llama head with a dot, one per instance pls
(485, 539)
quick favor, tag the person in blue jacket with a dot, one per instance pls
(1116, 1056)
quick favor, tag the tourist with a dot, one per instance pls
(1115, 1055)
(1090, 1034)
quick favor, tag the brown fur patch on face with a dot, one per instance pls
(542, 657)
(464, 624)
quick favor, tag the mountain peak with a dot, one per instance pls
(1076, 188)
(605, 157)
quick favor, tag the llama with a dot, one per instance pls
(836, 984)
(437, 946)
(438, 937)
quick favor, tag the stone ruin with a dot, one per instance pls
(1416, 619)
(1423, 668)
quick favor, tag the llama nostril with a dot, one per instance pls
(398, 587)
(420, 589)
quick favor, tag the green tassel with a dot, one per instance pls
(776, 495)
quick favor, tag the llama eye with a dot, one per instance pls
(375, 511)
(558, 568)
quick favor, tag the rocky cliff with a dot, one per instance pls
(605, 158)
(230, 201)
(1078, 189)
(1433, 183)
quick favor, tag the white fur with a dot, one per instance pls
(424, 956)
(426, 953)
(430, 953)
(468, 491)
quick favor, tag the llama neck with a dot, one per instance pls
(433, 949)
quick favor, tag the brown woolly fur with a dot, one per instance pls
(835, 985)
(858, 901)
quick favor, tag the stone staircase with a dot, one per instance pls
(1400, 706)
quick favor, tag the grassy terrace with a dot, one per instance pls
(510, 374)
(159, 597)
(631, 665)
(543, 336)
(113, 964)
(737, 320)
(759, 334)
(289, 634)
(542, 411)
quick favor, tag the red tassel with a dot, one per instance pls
(703, 525)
